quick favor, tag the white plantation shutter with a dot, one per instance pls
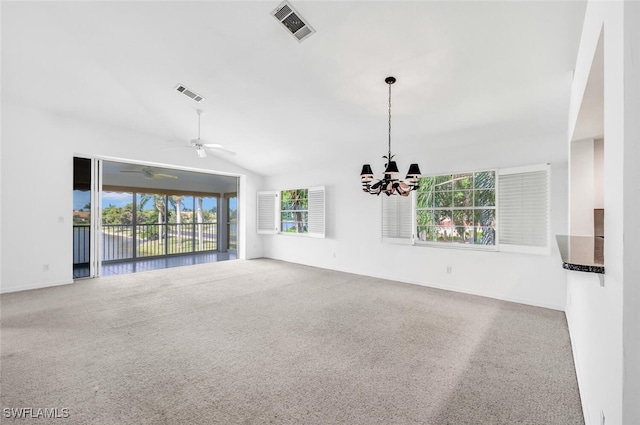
(523, 209)
(268, 212)
(397, 218)
(316, 223)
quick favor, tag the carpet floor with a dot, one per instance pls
(268, 342)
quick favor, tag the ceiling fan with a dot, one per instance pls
(149, 173)
(202, 147)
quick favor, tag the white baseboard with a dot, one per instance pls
(5, 290)
(443, 287)
(480, 294)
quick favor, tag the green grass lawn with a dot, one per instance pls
(157, 247)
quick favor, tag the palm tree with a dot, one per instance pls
(199, 221)
(485, 181)
(294, 201)
(159, 203)
(176, 201)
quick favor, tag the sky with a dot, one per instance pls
(118, 199)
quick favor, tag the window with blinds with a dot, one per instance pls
(397, 219)
(267, 212)
(506, 210)
(523, 212)
(457, 209)
(292, 211)
(316, 212)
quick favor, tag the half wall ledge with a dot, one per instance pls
(582, 253)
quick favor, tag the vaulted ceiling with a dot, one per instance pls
(464, 69)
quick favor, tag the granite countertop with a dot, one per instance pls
(582, 253)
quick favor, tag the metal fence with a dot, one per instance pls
(122, 242)
(81, 238)
(232, 232)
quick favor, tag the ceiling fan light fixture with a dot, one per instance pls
(201, 147)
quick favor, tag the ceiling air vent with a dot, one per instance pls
(291, 20)
(182, 89)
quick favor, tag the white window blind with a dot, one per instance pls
(397, 218)
(268, 213)
(316, 212)
(523, 209)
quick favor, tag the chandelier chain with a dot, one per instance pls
(389, 122)
(390, 184)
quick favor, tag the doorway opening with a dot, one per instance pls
(155, 217)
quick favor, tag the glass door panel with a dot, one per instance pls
(151, 229)
(206, 229)
(117, 225)
(180, 229)
(232, 221)
(81, 217)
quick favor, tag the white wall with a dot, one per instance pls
(581, 187)
(37, 185)
(598, 173)
(603, 321)
(353, 243)
(631, 304)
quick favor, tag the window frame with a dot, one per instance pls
(453, 244)
(281, 211)
(269, 212)
(542, 214)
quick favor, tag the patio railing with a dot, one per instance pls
(121, 242)
(81, 237)
(124, 242)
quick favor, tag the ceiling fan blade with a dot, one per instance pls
(202, 147)
(179, 147)
(160, 175)
(222, 150)
(132, 171)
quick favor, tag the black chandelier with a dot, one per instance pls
(390, 184)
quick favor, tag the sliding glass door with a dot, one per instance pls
(85, 200)
(124, 213)
(232, 220)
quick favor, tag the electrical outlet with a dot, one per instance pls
(449, 269)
